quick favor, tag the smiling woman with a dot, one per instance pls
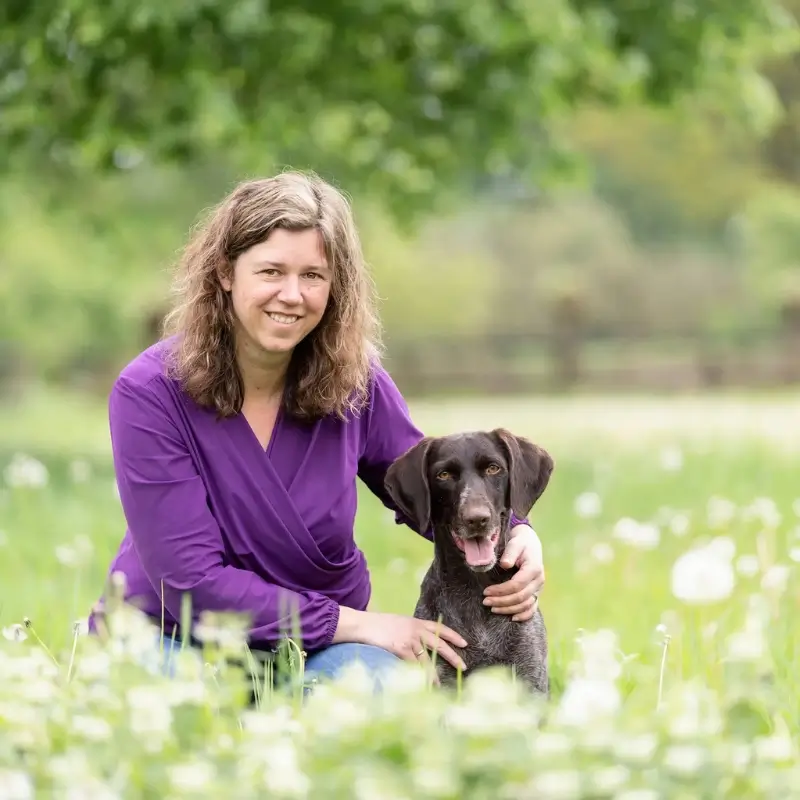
(239, 438)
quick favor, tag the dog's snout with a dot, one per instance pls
(477, 518)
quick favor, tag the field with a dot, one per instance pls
(671, 674)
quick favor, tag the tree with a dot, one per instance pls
(398, 98)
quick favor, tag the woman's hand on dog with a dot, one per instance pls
(519, 596)
(407, 637)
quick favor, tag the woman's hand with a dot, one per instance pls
(407, 637)
(519, 596)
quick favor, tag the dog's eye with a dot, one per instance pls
(444, 475)
(493, 469)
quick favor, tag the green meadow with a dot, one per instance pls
(670, 533)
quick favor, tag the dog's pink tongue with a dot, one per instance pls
(478, 552)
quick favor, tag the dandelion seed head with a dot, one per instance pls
(15, 633)
(702, 576)
(642, 535)
(747, 565)
(602, 552)
(685, 759)
(671, 459)
(588, 505)
(26, 472)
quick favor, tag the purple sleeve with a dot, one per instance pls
(389, 433)
(176, 537)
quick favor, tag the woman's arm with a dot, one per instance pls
(176, 537)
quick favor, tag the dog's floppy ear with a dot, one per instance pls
(529, 467)
(406, 482)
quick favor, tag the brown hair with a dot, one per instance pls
(330, 369)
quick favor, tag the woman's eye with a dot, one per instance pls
(492, 469)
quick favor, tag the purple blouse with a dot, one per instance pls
(265, 532)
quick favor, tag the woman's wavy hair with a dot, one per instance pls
(330, 369)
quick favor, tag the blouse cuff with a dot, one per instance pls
(514, 520)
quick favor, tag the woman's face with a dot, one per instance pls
(279, 290)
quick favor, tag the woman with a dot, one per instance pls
(237, 440)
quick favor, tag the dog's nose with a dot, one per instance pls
(477, 519)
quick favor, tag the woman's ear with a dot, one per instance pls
(225, 277)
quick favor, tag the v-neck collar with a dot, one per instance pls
(251, 434)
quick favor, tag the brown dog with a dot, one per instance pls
(465, 486)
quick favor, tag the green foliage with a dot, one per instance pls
(401, 100)
(770, 229)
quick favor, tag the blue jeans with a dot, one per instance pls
(325, 664)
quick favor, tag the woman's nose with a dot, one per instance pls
(290, 290)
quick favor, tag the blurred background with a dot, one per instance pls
(567, 205)
(537, 217)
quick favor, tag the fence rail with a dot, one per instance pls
(535, 364)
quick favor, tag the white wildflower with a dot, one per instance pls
(193, 776)
(275, 723)
(336, 715)
(607, 780)
(765, 511)
(37, 690)
(94, 666)
(404, 680)
(93, 729)
(75, 553)
(588, 505)
(679, 524)
(747, 565)
(80, 471)
(671, 459)
(282, 774)
(557, 785)
(723, 546)
(26, 472)
(720, 511)
(746, 645)
(639, 749)
(433, 773)
(599, 655)
(602, 552)
(492, 686)
(588, 699)
(740, 757)
(548, 744)
(226, 631)
(397, 566)
(778, 748)
(643, 535)
(89, 788)
(685, 759)
(775, 578)
(150, 715)
(693, 711)
(15, 633)
(16, 785)
(638, 794)
(702, 576)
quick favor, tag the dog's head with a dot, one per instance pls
(466, 485)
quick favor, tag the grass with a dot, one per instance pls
(670, 464)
